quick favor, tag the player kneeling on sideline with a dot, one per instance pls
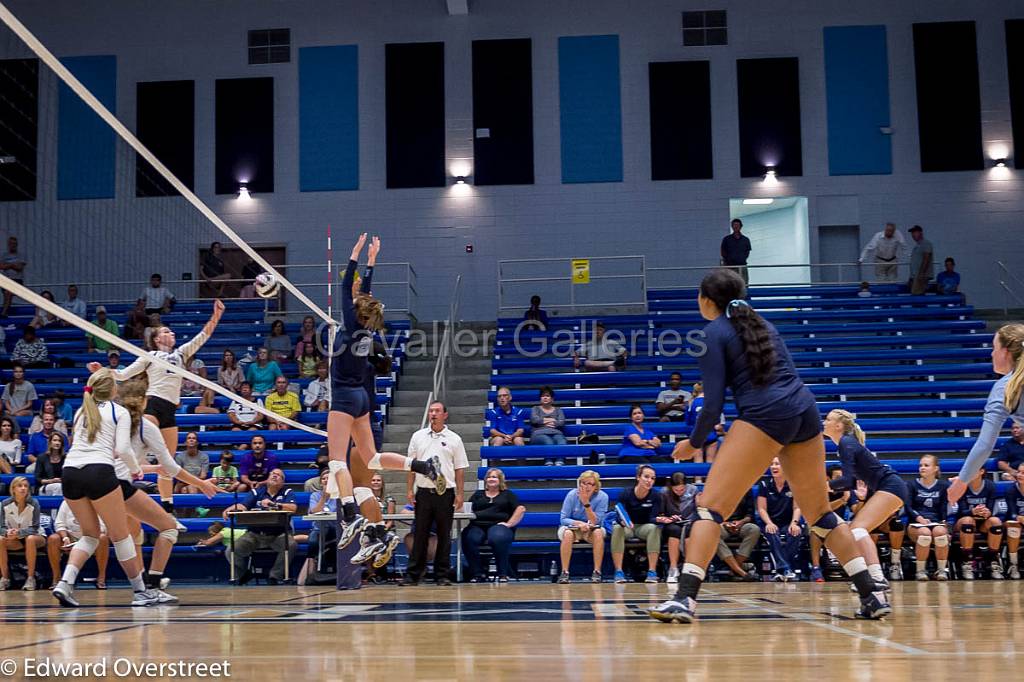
(976, 514)
(927, 510)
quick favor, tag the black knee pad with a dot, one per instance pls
(896, 525)
(968, 528)
(995, 530)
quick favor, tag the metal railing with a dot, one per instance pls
(612, 281)
(1008, 291)
(780, 274)
(444, 352)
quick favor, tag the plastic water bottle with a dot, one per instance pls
(553, 572)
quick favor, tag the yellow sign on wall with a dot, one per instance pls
(581, 271)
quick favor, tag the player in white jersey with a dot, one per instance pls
(102, 431)
(164, 390)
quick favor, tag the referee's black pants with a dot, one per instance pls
(432, 511)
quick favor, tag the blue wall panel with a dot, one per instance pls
(85, 144)
(329, 118)
(591, 108)
(857, 85)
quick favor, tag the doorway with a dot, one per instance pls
(778, 232)
(838, 244)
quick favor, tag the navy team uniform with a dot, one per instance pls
(779, 503)
(860, 463)
(1014, 499)
(352, 347)
(784, 408)
(971, 499)
(930, 503)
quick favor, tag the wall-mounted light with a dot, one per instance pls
(1000, 163)
(243, 192)
(770, 176)
(460, 179)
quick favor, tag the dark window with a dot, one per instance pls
(270, 46)
(705, 27)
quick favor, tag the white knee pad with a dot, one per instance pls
(941, 540)
(170, 535)
(124, 549)
(1012, 531)
(925, 541)
(859, 534)
(362, 495)
(374, 462)
(334, 466)
(87, 544)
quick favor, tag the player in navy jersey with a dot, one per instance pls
(928, 509)
(886, 490)
(1014, 510)
(976, 513)
(836, 501)
(778, 417)
(349, 418)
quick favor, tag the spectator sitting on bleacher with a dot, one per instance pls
(50, 466)
(214, 271)
(637, 439)
(114, 360)
(66, 532)
(19, 393)
(262, 373)
(498, 512)
(641, 504)
(74, 305)
(152, 327)
(308, 361)
(10, 445)
(740, 524)
(837, 501)
(929, 505)
(230, 375)
(283, 403)
(601, 353)
(323, 457)
(1011, 455)
(192, 389)
(976, 512)
(19, 529)
(138, 319)
(319, 503)
(64, 410)
(581, 520)
(243, 417)
(780, 519)
(43, 318)
(30, 351)
(947, 282)
(672, 401)
(257, 464)
(13, 266)
(678, 503)
(279, 343)
(274, 495)
(505, 421)
(535, 317)
(96, 345)
(307, 336)
(1014, 501)
(194, 461)
(547, 421)
(225, 474)
(156, 297)
(864, 291)
(707, 453)
(49, 406)
(39, 442)
(314, 396)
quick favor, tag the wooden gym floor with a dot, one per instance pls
(537, 631)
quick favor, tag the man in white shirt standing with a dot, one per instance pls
(157, 297)
(431, 509)
(886, 249)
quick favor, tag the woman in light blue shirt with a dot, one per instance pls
(582, 514)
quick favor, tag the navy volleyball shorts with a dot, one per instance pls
(351, 400)
(798, 429)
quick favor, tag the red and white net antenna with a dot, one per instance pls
(332, 327)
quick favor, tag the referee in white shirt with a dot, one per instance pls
(433, 510)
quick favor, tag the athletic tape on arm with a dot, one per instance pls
(69, 79)
(100, 333)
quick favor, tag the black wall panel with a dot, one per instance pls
(948, 96)
(1015, 69)
(414, 111)
(680, 97)
(503, 106)
(19, 128)
(245, 134)
(165, 123)
(769, 113)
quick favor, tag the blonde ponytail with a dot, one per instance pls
(99, 389)
(133, 396)
(1011, 337)
(850, 425)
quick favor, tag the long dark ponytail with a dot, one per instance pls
(726, 289)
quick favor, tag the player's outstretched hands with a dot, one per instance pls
(358, 248)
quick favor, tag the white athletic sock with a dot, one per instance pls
(942, 563)
(695, 570)
(1013, 559)
(407, 464)
(920, 565)
(875, 571)
(348, 500)
(70, 574)
(137, 583)
(855, 566)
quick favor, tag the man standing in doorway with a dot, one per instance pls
(922, 261)
(885, 249)
(431, 509)
(736, 249)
